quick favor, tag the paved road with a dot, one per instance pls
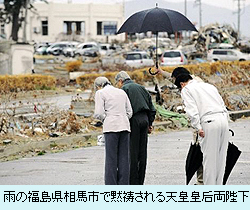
(166, 163)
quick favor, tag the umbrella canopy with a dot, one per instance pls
(193, 161)
(156, 20)
(233, 153)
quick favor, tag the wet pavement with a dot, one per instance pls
(166, 162)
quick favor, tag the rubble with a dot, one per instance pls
(233, 84)
(100, 140)
(7, 141)
(244, 45)
(209, 37)
(231, 79)
(47, 122)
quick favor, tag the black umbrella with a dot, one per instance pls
(233, 154)
(193, 161)
(156, 20)
(195, 156)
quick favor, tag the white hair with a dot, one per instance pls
(101, 82)
(122, 75)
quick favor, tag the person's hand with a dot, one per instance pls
(158, 70)
(150, 129)
(201, 133)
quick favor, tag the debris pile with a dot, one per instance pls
(209, 37)
(52, 123)
(233, 85)
(244, 45)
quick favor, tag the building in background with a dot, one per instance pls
(68, 21)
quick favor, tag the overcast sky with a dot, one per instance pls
(229, 4)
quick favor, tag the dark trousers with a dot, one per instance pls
(117, 158)
(138, 148)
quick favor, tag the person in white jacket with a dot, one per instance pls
(113, 108)
(171, 77)
(208, 114)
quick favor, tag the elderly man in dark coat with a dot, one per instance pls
(141, 124)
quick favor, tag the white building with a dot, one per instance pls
(68, 21)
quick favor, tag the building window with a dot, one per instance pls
(99, 28)
(75, 27)
(44, 27)
(106, 28)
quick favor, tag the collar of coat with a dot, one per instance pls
(127, 81)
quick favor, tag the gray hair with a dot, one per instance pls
(122, 75)
(101, 82)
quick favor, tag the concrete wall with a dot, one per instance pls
(22, 59)
(16, 58)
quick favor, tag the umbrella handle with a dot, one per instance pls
(231, 132)
(152, 73)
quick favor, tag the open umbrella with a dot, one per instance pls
(156, 20)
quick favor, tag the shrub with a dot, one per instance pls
(73, 65)
(142, 75)
(26, 82)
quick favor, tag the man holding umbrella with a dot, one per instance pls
(208, 115)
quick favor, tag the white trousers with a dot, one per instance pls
(214, 147)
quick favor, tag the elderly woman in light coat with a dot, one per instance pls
(113, 108)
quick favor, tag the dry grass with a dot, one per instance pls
(235, 70)
(72, 66)
(26, 83)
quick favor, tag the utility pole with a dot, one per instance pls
(185, 12)
(198, 2)
(239, 13)
(185, 8)
(239, 16)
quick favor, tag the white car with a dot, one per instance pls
(56, 48)
(41, 48)
(108, 49)
(105, 49)
(138, 59)
(85, 47)
(70, 49)
(227, 55)
(173, 58)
